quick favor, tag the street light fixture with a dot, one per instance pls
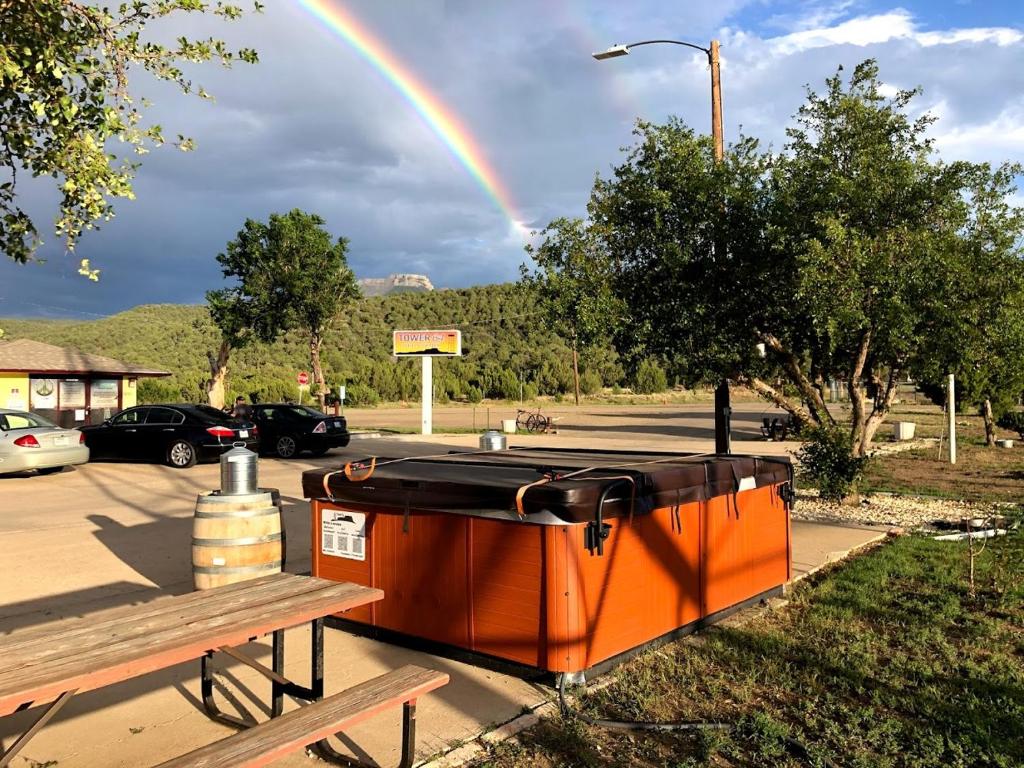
(613, 52)
(723, 411)
(716, 83)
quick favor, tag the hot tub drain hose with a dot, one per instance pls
(796, 747)
(632, 725)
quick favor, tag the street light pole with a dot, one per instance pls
(723, 408)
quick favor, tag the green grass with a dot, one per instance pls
(889, 661)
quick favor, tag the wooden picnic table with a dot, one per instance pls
(50, 665)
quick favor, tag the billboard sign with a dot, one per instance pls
(427, 343)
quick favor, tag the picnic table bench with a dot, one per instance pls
(50, 665)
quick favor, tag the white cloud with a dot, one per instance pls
(1001, 138)
(809, 17)
(997, 35)
(883, 27)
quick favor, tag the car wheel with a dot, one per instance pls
(181, 454)
(286, 447)
(49, 470)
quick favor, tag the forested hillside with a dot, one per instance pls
(504, 338)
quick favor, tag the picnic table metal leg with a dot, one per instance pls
(210, 702)
(278, 682)
(323, 748)
(276, 686)
(26, 737)
(325, 751)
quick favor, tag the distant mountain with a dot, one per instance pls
(382, 286)
(505, 342)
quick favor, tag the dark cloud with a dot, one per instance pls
(315, 126)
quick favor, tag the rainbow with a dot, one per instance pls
(441, 120)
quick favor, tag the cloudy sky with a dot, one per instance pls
(316, 126)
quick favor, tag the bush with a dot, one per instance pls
(529, 392)
(590, 382)
(827, 458)
(474, 395)
(650, 378)
(360, 395)
(157, 391)
(1013, 421)
(508, 386)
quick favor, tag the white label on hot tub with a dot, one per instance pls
(343, 534)
(747, 484)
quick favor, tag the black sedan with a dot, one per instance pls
(179, 435)
(288, 429)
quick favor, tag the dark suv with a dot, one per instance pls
(288, 429)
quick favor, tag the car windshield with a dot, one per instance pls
(21, 420)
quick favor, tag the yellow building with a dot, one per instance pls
(66, 386)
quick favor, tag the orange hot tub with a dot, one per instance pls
(549, 583)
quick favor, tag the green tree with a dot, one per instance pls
(650, 378)
(313, 280)
(253, 309)
(878, 227)
(834, 257)
(65, 96)
(980, 339)
(572, 280)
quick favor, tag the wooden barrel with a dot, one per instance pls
(235, 538)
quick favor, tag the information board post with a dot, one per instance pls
(427, 345)
(427, 398)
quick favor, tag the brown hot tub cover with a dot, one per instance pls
(566, 483)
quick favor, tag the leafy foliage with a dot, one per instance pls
(504, 338)
(650, 378)
(827, 459)
(291, 274)
(573, 284)
(65, 95)
(312, 277)
(1013, 421)
(845, 258)
(590, 383)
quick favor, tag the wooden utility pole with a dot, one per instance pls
(723, 408)
(716, 102)
(723, 411)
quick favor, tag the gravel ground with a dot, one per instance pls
(907, 512)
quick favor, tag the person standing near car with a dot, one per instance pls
(241, 409)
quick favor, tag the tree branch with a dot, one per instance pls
(818, 410)
(772, 395)
(883, 403)
(857, 421)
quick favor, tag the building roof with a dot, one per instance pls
(26, 355)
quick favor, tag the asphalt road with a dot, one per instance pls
(659, 423)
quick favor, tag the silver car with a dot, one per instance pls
(28, 441)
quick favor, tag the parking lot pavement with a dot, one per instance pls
(109, 534)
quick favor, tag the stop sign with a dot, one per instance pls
(303, 378)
